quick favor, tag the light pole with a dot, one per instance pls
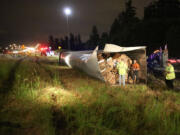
(68, 12)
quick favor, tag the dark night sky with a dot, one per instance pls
(37, 19)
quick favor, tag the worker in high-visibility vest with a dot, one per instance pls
(170, 75)
(122, 70)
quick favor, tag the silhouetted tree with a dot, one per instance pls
(160, 25)
(74, 41)
(122, 30)
(79, 39)
(104, 39)
(114, 37)
(94, 38)
(57, 43)
(66, 40)
(130, 11)
(160, 20)
(72, 44)
(79, 44)
(165, 9)
(63, 43)
(173, 40)
(51, 42)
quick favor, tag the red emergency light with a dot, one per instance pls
(178, 60)
(62, 56)
(172, 61)
(43, 48)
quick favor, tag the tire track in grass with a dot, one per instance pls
(6, 88)
(45, 69)
(9, 82)
(58, 119)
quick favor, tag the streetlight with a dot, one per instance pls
(68, 12)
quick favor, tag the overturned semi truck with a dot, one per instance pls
(101, 64)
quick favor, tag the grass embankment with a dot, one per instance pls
(42, 98)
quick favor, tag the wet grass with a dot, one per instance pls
(50, 99)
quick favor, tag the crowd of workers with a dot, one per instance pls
(133, 72)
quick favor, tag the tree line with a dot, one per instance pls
(73, 42)
(160, 25)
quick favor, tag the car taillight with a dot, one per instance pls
(178, 60)
(61, 56)
(172, 61)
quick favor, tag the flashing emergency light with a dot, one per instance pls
(173, 61)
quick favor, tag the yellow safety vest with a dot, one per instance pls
(122, 68)
(170, 74)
